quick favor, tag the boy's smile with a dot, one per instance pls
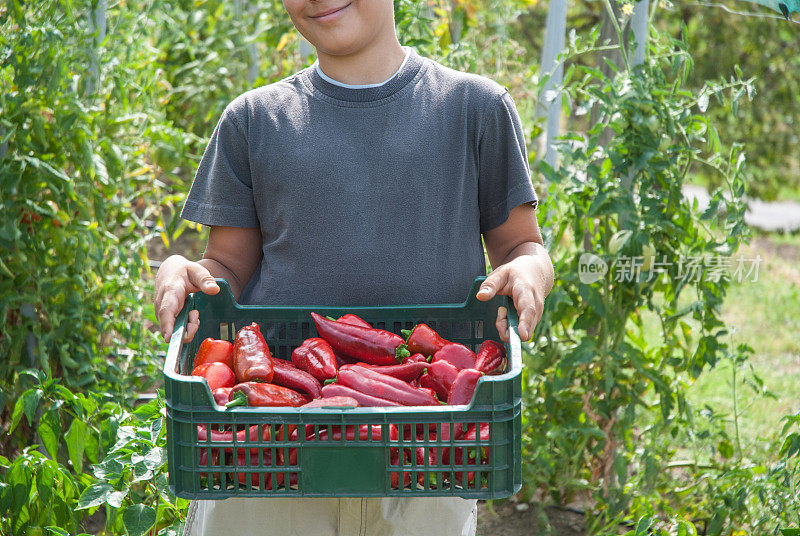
(347, 28)
(331, 14)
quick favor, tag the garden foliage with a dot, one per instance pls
(93, 167)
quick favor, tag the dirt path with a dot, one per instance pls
(508, 520)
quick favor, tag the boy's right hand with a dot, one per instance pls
(176, 279)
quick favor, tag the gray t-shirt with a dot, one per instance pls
(366, 196)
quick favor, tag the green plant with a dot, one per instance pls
(618, 197)
(37, 494)
(88, 453)
(73, 233)
(132, 478)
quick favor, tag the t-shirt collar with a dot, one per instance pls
(407, 71)
(360, 86)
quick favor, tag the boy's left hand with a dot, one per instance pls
(520, 279)
(524, 271)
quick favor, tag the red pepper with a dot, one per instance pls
(463, 388)
(265, 394)
(374, 346)
(252, 360)
(216, 374)
(470, 434)
(316, 357)
(354, 320)
(333, 402)
(222, 395)
(372, 383)
(287, 375)
(459, 429)
(243, 460)
(432, 455)
(457, 354)
(471, 457)
(335, 390)
(344, 360)
(490, 356)
(365, 432)
(242, 437)
(394, 460)
(212, 351)
(415, 358)
(226, 436)
(440, 377)
(204, 462)
(424, 340)
(407, 372)
(430, 391)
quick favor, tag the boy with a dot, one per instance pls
(368, 178)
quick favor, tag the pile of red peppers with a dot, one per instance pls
(349, 364)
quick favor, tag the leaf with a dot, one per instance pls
(283, 42)
(593, 297)
(725, 448)
(155, 429)
(643, 526)
(49, 431)
(141, 472)
(138, 519)
(109, 469)
(115, 498)
(16, 416)
(618, 241)
(76, 443)
(702, 102)
(94, 495)
(56, 530)
(30, 401)
(45, 482)
(155, 458)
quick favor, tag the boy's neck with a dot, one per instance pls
(370, 65)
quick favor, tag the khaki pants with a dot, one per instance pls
(388, 516)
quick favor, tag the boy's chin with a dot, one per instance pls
(339, 47)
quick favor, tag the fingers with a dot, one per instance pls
(167, 309)
(192, 325)
(200, 279)
(493, 284)
(177, 278)
(526, 307)
(502, 323)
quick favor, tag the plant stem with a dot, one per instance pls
(622, 48)
(736, 410)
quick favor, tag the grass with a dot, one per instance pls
(765, 314)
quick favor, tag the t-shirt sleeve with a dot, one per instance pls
(222, 190)
(504, 179)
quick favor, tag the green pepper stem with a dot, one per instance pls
(401, 353)
(239, 399)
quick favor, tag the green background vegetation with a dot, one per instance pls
(665, 405)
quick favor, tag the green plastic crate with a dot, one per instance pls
(279, 465)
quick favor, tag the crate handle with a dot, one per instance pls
(514, 343)
(176, 340)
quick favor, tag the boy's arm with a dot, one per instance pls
(522, 269)
(232, 253)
